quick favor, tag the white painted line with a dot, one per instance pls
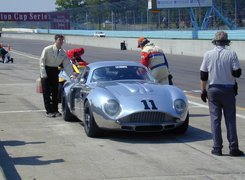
(198, 104)
(26, 111)
(26, 55)
(17, 84)
(195, 91)
(205, 106)
(194, 106)
(240, 116)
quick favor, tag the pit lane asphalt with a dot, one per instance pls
(35, 147)
(185, 69)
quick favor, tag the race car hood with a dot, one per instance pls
(132, 88)
(134, 96)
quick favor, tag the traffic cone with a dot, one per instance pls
(9, 47)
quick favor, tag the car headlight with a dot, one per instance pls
(112, 107)
(180, 106)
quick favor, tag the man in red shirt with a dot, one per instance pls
(75, 56)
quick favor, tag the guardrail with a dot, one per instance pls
(209, 34)
(166, 34)
(176, 46)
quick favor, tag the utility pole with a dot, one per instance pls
(112, 20)
(235, 13)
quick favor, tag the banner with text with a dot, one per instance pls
(161, 4)
(60, 21)
(24, 16)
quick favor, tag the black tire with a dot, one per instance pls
(90, 126)
(67, 116)
(183, 127)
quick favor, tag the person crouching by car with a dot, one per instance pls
(52, 56)
(75, 56)
(78, 65)
(155, 60)
(5, 55)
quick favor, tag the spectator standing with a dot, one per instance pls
(52, 56)
(219, 69)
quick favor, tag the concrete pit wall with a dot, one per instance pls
(170, 46)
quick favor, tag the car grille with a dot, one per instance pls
(144, 118)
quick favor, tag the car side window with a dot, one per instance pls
(99, 74)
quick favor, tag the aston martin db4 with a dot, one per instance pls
(123, 95)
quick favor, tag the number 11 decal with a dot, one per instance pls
(153, 106)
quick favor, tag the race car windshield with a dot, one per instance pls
(112, 73)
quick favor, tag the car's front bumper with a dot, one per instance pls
(144, 121)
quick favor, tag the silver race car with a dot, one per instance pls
(123, 95)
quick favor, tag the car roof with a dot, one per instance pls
(99, 64)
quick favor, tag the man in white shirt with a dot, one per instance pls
(219, 69)
(52, 56)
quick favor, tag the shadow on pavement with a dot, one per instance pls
(198, 115)
(34, 161)
(18, 143)
(8, 163)
(193, 134)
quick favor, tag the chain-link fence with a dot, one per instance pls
(136, 16)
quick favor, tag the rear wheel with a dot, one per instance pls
(90, 126)
(183, 127)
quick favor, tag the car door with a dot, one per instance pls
(80, 92)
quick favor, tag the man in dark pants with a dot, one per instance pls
(220, 67)
(52, 56)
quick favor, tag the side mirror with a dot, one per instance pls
(82, 81)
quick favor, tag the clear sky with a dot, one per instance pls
(27, 5)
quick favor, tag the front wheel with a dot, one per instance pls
(67, 115)
(90, 126)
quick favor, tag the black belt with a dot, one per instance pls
(51, 67)
(158, 65)
(226, 86)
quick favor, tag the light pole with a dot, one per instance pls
(235, 13)
(86, 20)
(147, 18)
(112, 20)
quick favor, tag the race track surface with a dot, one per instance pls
(33, 146)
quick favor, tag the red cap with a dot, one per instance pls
(141, 40)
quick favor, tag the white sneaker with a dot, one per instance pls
(50, 115)
(57, 114)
